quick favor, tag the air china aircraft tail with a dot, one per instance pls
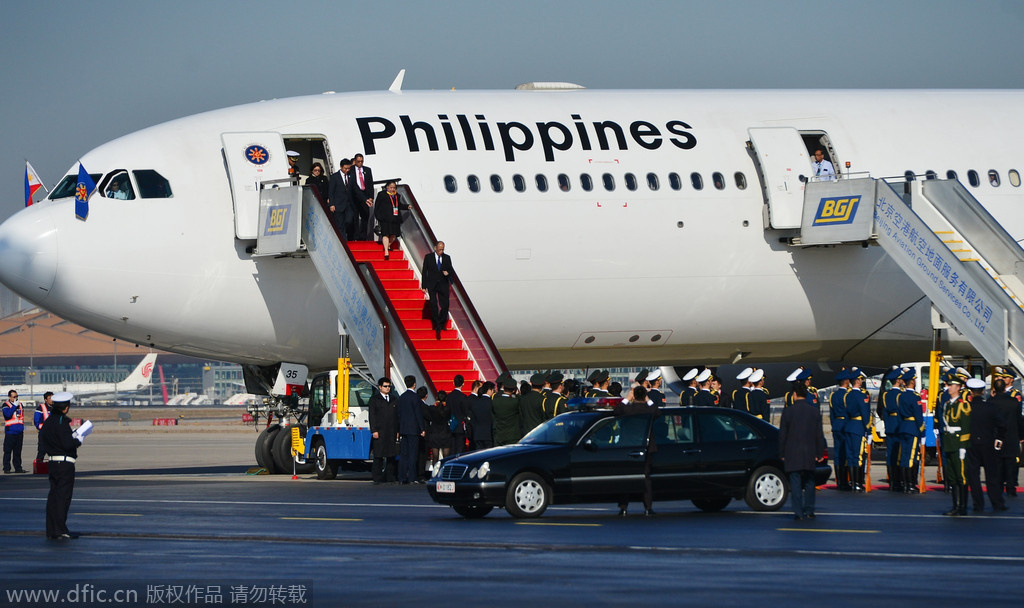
(586, 228)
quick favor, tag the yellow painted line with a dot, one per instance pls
(321, 518)
(828, 530)
(543, 523)
(111, 514)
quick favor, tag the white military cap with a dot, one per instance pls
(745, 374)
(796, 373)
(756, 375)
(651, 377)
(690, 375)
(62, 397)
(293, 153)
(975, 383)
(704, 375)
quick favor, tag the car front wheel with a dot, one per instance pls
(527, 496)
(767, 489)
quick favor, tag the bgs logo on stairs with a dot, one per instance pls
(832, 211)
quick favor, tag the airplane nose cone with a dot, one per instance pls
(28, 253)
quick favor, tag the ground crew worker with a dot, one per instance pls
(837, 414)
(704, 398)
(910, 430)
(889, 413)
(858, 417)
(507, 429)
(14, 432)
(690, 381)
(41, 414)
(531, 410)
(956, 426)
(61, 445)
(739, 395)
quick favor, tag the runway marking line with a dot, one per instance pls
(545, 523)
(833, 531)
(110, 514)
(322, 518)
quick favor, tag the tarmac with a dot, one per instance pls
(169, 508)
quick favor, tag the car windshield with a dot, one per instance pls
(560, 430)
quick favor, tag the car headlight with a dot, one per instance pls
(480, 471)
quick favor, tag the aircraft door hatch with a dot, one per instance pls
(252, 158)
(783, 162)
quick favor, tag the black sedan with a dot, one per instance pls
(707, 455)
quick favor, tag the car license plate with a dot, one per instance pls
(446, 487)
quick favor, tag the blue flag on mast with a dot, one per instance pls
(83, 191)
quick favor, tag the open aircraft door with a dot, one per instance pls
(252, 158)
(782, 155)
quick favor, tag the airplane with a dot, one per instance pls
(140, 378)
(589, 227)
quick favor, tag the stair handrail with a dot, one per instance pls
(419, 240)
(309, 196)
(397, 343)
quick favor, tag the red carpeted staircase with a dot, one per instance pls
(444, 358)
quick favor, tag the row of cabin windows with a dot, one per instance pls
(586, 182)
(973, 178)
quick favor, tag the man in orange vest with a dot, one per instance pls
(14, 432)
(41, 414)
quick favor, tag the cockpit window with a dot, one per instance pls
(118, 186)
(152, 184)
(66, 187)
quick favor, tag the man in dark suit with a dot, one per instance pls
(482, 417)
(342, 201)
(437, 279)
(988, 432)
(801, 446)
(362, 189)
(1009, 409)
(410, 429)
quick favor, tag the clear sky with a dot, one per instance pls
(77, 74)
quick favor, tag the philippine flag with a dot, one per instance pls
(32, 183)
(83, 190)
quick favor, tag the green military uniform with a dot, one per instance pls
(956, 416)
(554, 404)
(531, 410)
(507, 421)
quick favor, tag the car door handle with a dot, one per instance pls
(752, 448)
(637, 454)
(692, 451)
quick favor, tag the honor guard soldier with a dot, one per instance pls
(802, 376)
(716, 391)
(956, 431)
(601, 382)
(641, 379)
(739, 395)
(554, 402)
(757, 397)
(690, 380)
(704, 398)
(507, 429)
(837, 414)
(654, 393)
(888, 411)
(909, 430)
(858, 419)
(1007, 374)
(589, 391)
(531, 408)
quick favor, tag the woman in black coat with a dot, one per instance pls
(387, 210)
(318, 180)
(439, 434)
(384, 428)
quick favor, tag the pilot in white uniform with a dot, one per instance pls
(823, 169)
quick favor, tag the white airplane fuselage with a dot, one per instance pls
(660, 276)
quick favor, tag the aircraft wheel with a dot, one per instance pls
(265, 449)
